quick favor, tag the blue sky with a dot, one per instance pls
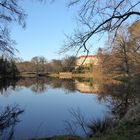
(46, 26)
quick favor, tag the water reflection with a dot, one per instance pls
(50, 108)
(123, 94)
(86, 86)
(6, 85)
(99, 97)
(38, 85)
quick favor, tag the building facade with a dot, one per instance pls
(87, 60)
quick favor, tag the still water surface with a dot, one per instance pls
(48, 103)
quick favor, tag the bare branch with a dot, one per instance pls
(97, 16)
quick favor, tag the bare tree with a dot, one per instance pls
(122, 56)
(39, 63)
(98, 17)
(68, 63)
(10, 12)
(56, 65)
(120, 53)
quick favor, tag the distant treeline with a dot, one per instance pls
(41, 65)
(13, 67)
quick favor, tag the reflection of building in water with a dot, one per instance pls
(65, 75)
(87, 60)
(85, 87)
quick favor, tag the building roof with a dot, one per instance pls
(87, 56)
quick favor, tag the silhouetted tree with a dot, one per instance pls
(8, 68)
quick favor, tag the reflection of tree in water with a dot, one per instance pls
(127, 99)
(123, 95)
(39, 86)
(56, 83)
(6, 85)
(67, 84)
(9, 117)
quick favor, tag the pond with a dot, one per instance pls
(49, 105)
